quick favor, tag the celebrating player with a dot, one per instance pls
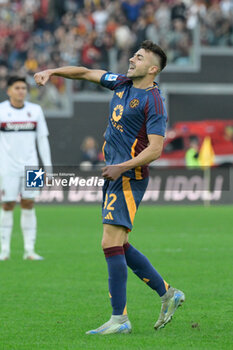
(134, 138)
(21, 124)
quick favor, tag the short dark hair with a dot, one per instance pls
(13, 79)
(148, 45)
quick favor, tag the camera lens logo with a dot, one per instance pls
(35, 178)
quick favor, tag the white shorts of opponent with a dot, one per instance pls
(13, 186)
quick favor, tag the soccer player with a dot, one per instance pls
(134, 138)
(21, 125)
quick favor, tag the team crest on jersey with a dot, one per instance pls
(29, 114)
(120, 94)
(134, 103)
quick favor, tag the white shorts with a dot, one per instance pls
(11, 187)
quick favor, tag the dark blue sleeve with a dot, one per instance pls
(112, 81)
(156, 114)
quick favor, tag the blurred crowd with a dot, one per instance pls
(39, 34)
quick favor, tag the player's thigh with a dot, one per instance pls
(114, 235)
(114, 209)
(10, 188)
(138, 189)
(121, 199)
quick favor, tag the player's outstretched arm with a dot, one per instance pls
(70, 72)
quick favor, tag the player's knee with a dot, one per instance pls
(8, 206)
(27, 203)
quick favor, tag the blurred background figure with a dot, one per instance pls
(90, 154)
(192, 154)
(23, 129)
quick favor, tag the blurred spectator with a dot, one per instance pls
(178, 11)
(31, 63)
(132, 9)
(90, 53)
(192, 154)
(196, 11)
(179, 43)
(162, 17)
(90, 152)
(100, 16)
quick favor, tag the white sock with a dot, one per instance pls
(6, 224)
(28, 226)
(119, 318)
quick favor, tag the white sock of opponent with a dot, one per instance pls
(28, 226)
(6, 224)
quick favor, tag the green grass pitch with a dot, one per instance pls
(48, 305)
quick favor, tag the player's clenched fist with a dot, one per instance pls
(41, 78)
(112, 172)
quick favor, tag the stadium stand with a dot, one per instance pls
(39, 34)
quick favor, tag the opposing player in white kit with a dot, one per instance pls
(21, 125)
